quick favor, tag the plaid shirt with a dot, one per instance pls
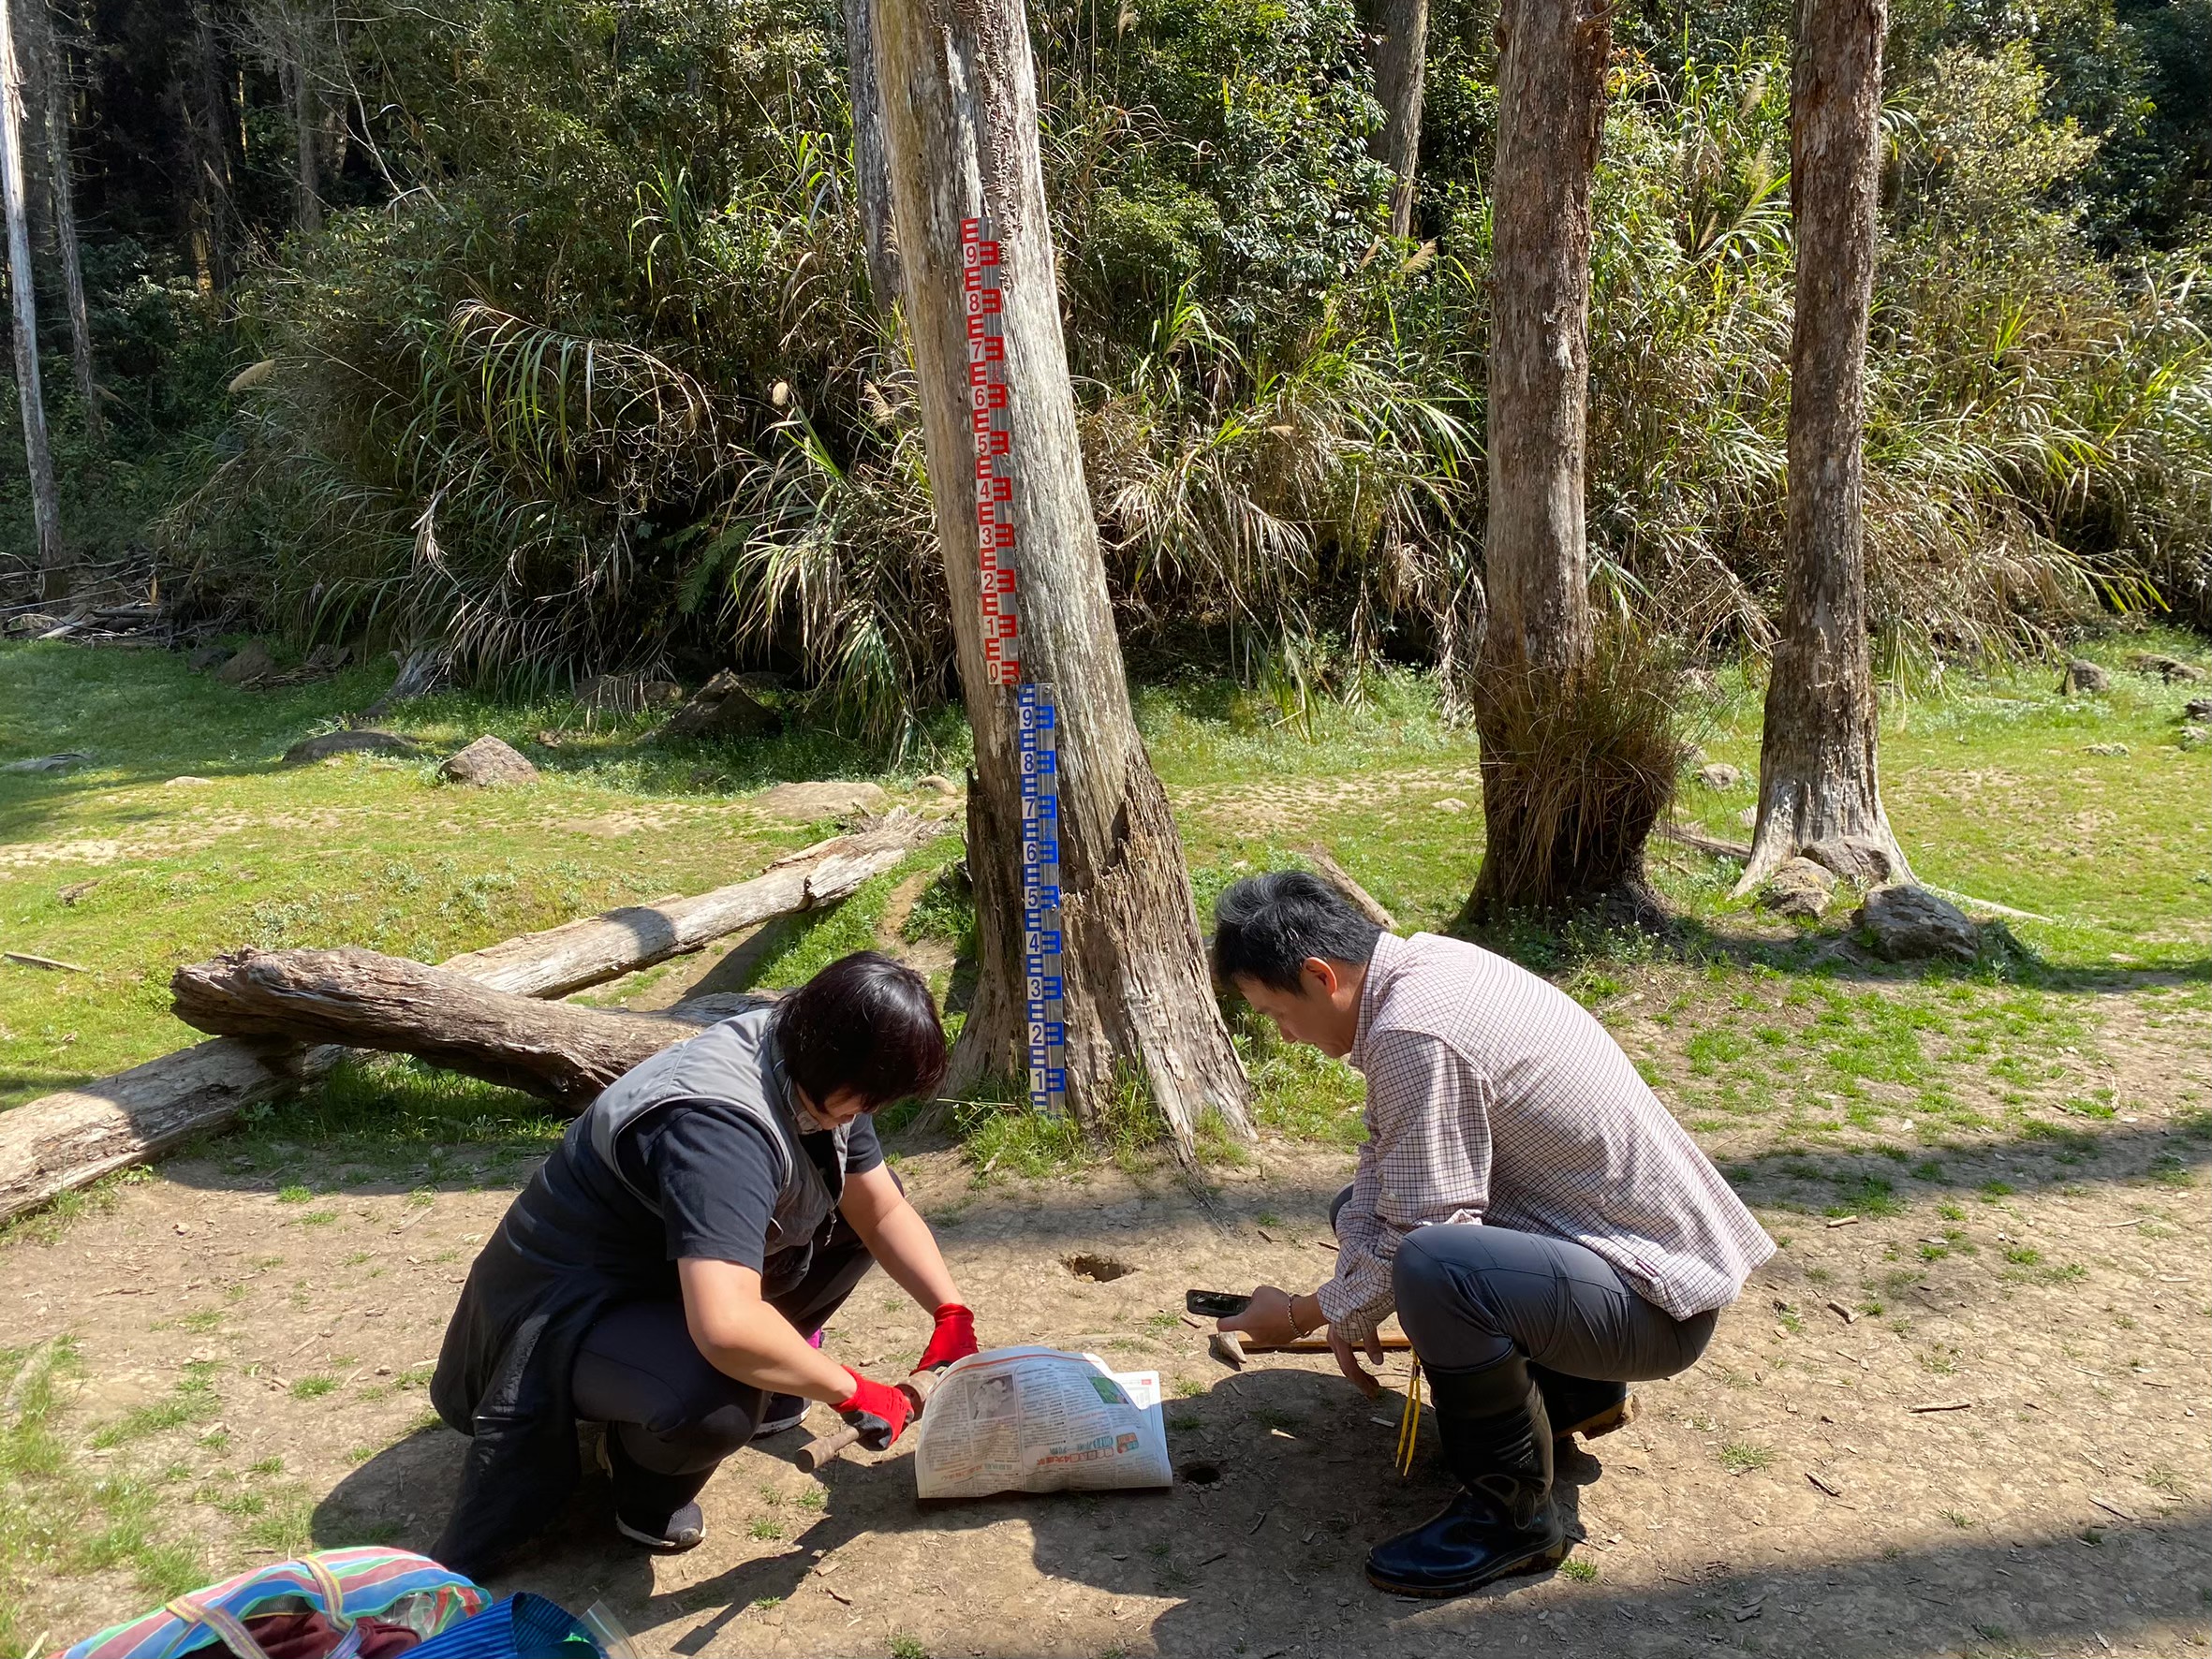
(1494, 1097)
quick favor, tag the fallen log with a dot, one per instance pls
(1699, 841)
(59, 1142)
(603, 948)
(1330, 870)
(359, 999)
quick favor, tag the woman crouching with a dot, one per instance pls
(669, 1268)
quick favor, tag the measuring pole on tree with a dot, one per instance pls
(1081, 886)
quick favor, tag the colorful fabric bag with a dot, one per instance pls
(390, 1586)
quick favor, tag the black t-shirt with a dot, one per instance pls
(716, 1171)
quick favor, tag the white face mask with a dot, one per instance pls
(808, 1123)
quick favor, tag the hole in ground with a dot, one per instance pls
(1201, 1474)
(1104, 1268)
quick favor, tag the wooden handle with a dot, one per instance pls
(827, 1448)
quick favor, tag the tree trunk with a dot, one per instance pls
(1401, 62)
(1547, 843)
(62, 1141)
(959, 99)
(208, 107)
(871, 164)
(61, 188)
(357, 999)
(45, 507)
(1816, 773)
(299, 99)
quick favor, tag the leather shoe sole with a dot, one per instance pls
(1619, 1415)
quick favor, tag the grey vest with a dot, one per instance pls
(735, 1064)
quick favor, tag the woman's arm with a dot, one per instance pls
(744, 1337)
(899, 1237)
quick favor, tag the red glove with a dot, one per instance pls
(953, 1339)
(877, 1410)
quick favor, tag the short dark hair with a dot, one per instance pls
(863, 1022)
(1265, 927)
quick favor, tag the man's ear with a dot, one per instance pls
(1322, 970)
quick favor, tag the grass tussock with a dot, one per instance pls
(1576, 774)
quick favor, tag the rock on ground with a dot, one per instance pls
(805, 803)
(250, 663)
(2198, 708)
(309, 749)
(937, 784)
(1719, 775)
(1800, 888)
(2083, 675)
(1911, 924)
(2169, 668)
(485, 762)
(1855, 858)
(2107, 749)
(722, 708)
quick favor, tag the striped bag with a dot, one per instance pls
(342, 1585)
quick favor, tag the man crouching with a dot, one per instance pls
(1546, 1230)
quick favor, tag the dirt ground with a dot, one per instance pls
(1790, 1494)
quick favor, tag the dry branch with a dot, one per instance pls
(59, 1142)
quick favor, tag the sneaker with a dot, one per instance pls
(686, 1529)
(782, 1412)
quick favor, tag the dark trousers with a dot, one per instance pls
(1469, 1297)
(640, 1372)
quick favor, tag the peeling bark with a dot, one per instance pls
(959, 99)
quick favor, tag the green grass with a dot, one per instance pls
(60, 1512)
(1742, 1458)
(192, 1400)
(1845, 1090)
(128, 875)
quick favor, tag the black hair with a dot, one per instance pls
(1265, 927)
(863, 1022)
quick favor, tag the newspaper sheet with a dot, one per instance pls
(1041, 1421)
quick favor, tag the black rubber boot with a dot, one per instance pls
(654, 1509)
(1579, 1405)
(1498, 1441)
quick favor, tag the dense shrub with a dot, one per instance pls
(601, 387)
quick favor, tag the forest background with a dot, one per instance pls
(544, 331)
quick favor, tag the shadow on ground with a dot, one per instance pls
(1259, 1549)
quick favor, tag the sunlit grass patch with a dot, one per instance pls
(58, 1513)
